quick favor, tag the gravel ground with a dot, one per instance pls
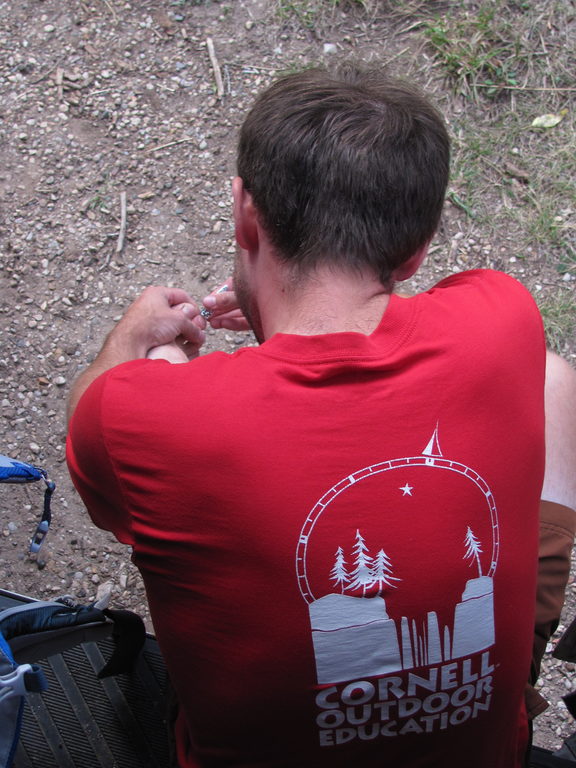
(102, 99)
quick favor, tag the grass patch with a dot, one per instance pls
(500, 45)
(478, 49)
(559, 315)
(309, 13)
(516, 185)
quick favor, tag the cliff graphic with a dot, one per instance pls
(353, 634)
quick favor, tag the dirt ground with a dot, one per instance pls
(106, 98)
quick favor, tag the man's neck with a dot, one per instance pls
(329, 301)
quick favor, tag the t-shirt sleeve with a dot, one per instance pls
(503, 308)
(90, 466)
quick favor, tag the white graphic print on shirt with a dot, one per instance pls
(385, 666)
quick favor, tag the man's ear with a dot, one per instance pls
(245, 216)
(410, 267)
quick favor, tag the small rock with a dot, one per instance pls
(104, 592)
(329, 48)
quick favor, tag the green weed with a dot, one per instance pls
(310, 12)
(559, 315)
(477, 50)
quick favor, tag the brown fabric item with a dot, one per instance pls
(557, 526)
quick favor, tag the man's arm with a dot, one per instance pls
(557, 513)
(159, 316)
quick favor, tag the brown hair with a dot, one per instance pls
(347, 168)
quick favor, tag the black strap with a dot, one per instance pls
(129, 636)
(44, 524)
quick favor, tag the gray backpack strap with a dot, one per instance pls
(16, 680)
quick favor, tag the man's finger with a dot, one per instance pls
(192, 333)
(231, 321)
(217, 303)
(178, 296)
(192, 312)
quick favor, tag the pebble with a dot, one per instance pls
(104, 591)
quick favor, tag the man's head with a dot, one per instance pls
(346, 169)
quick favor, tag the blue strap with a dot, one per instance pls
(14, 471)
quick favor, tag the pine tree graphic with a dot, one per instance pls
(382, 572)
(473, 549)
(363, 575)
(339, 574)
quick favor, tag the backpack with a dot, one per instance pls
(32, 629)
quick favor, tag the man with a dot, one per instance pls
(337, 529)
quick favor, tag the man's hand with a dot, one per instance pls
(225, 312)
(158, 317)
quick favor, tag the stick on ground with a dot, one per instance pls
(122, 233)
(215, 67)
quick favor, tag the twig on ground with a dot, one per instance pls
(59, 82)
(550, 88)
(122, 233)
(45, 75)
(170, 144)
(215, 67)
(105, 263)
(110, 8)
(387, 62)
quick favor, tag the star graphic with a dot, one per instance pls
(407, 490)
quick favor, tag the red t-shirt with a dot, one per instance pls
(338, 533)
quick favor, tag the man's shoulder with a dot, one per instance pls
(482, 279)
(164, 373)
(485, 290)
(127, 387)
